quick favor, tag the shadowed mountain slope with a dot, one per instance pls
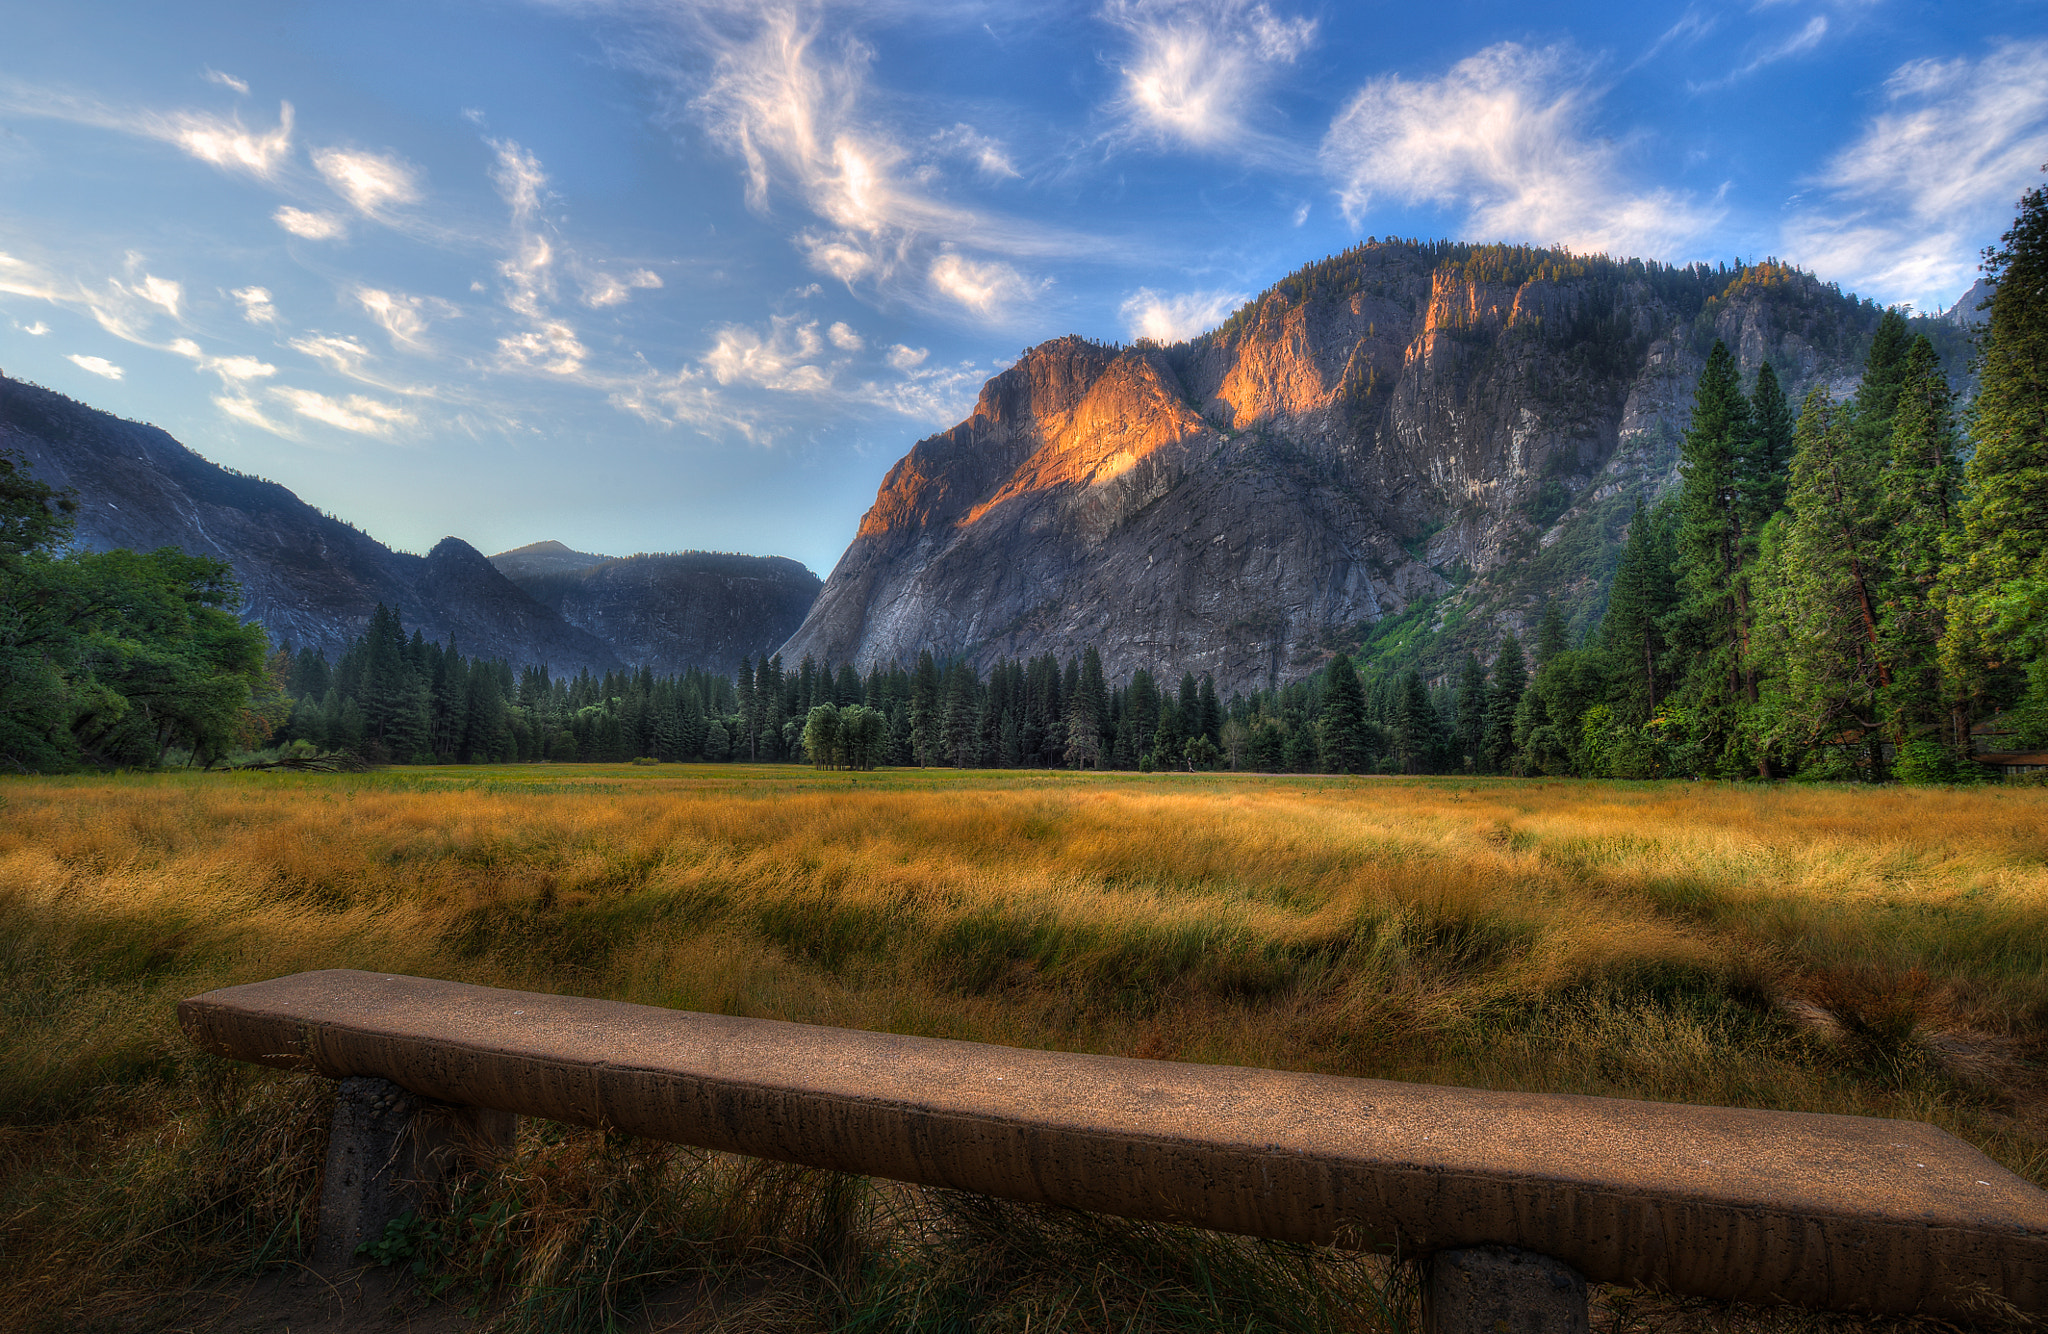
(308, 578)
(670, 611)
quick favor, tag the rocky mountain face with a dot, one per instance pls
(1404, 427)
(668, 612)
(1968, 312)
(539, 558)
(309, 579)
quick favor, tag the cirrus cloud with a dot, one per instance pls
(311, 226)
(1172, 318)
(357, 413)
(1931, 176)
(370, 182)
(1196, 68)
(99, 366)
(1502, 137)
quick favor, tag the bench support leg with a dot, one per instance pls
(1502, 1290)
(386, 1145)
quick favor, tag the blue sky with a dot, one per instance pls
(646, 276)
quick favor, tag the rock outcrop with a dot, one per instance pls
(1467, 426)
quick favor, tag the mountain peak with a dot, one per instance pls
(548, 557)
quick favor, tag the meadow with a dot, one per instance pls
(1874, 951)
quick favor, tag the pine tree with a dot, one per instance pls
(1818, 586)
(1998, 620)
(1212, 710)
(925, 705)
(1770, 458)
(1510, 679)
(1921, 486)
(1551, 638)
(1638, 603)
(1711, 622)
(1884, 374)
(1087, 714)
(1470, 734)
(959, 734)
(1345, 748)
(1415, 729)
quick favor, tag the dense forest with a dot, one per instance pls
(1836, 590)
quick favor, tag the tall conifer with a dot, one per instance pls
(1345, 747)
(1710, 625)
(1921, 483)
(1819, 586)
(1999, 615)
(1510, 679)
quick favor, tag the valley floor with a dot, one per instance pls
(1874, 951)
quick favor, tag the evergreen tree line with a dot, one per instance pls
(1847, 591)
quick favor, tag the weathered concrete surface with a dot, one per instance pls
(1501, 1290)
(385, 1146)
(1830, 1211)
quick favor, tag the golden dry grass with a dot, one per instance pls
(1873, 951)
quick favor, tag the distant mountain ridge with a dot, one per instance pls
(670, 610)
(313, 580)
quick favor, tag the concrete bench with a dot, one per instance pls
(1835, 1212)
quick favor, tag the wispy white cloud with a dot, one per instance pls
(312, 226)
(989, 157)
(18, 277)
(789, 102)
(227, 144)
(603, 289)
(785, 359)
(1196, 69)
(1784, 48)
(1503, 137)
(988, 288)
(1932, 177)
(238, 370)
(1172, 317)
(549, 343)
(1690, 27)
(551, 346)
(404, 318)
(160, 292)
(99, 366)
(932, 395)
(228, 81)
(243, 408)
(844, 337)
(129, 309)
(342, 355)
(36, 330)
(223, 141)
(370, 182)
(357, 413)
(257, 307)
